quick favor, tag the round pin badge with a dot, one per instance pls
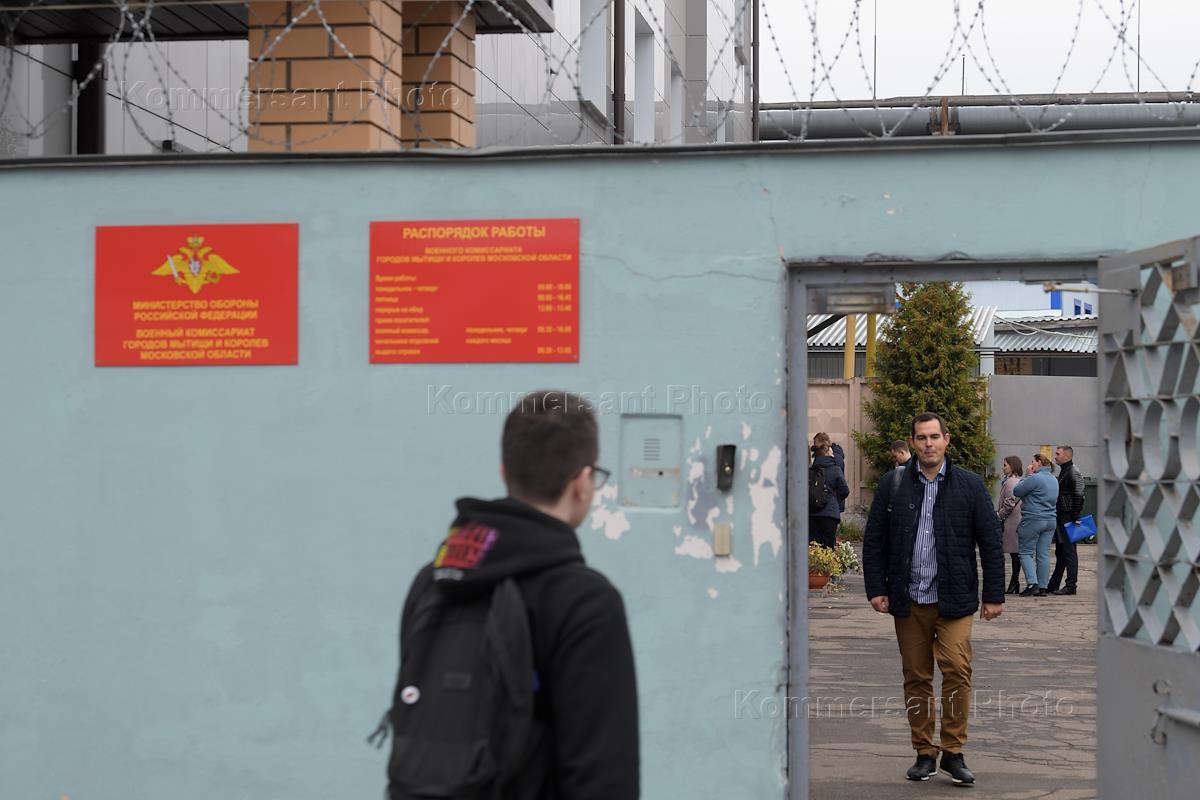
(410, 695)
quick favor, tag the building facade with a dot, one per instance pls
(378, 75)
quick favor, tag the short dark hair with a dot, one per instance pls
(548, 438)
(1066, 448)
(928, 416)
(899, 446)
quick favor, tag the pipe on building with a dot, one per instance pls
(857, 122)
(963, 100)
(869, 369)
(851, 341)
(619, 72)
(89, 107)
(755, 104)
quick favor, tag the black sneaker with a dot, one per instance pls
(954, 766)
(1030, 591)
(1063, 591)
(924, 768)
(1040, 593)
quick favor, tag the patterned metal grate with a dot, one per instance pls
(1151, 512)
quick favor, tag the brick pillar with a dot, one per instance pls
(308, 93)
(447, 97)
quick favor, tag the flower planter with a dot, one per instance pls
(816, 582)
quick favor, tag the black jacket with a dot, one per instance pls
(839, 456)
(963, 520)
(587, 695)
(1070, 493)
(838, 488)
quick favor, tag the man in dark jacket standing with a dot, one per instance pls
(585, 692)
(1070, 506)
(919, 565)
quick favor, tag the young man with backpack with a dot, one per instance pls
(516, 669)
(827, 491)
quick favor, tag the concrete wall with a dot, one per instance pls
(836, 407)
(1030, 411)
(203, 566)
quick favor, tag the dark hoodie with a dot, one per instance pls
(838, 488)
(587, 695)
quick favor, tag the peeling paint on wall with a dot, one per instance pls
(711, 518)
(728, 564)
(704, 501)
(613, 522)
(713, 593)
(763, 496)
(695, 547)
(746, 430)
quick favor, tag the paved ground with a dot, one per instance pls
(1033, 725)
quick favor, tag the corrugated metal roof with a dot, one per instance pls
(835, 334)
(1003, 316)
(1078, 340)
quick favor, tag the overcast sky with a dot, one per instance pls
(920, 40)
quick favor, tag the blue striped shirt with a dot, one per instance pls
(922, 580)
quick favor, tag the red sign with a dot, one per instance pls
(176, 295)
(475, 291)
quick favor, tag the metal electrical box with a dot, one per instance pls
(651, 460)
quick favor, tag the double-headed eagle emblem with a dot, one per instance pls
(195, 265)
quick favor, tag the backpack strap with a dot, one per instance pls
(507, 636)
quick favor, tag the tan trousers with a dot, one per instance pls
(924, 637)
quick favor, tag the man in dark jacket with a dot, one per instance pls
(585, 689)
(1070, 506)
(919, 565)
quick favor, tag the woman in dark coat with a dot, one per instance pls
(1009, 509)
(823, 522)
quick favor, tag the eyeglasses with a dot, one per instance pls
(599, 476)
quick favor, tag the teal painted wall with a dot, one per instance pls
(202, 567)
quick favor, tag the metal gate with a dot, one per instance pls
(1149, 648)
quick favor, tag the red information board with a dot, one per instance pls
(206, 295)
(475, 291)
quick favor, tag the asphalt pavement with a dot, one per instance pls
(1032, 732)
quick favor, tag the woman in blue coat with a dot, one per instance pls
(1038, 492)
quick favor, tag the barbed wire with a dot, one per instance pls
(551, 98)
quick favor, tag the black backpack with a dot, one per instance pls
(818, 489)
(462, 714)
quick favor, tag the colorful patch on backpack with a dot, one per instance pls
(466, 546)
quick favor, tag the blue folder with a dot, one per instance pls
(1085, 529)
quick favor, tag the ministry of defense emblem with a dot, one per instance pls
(195, 265)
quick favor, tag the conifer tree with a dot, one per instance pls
(924, 363)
